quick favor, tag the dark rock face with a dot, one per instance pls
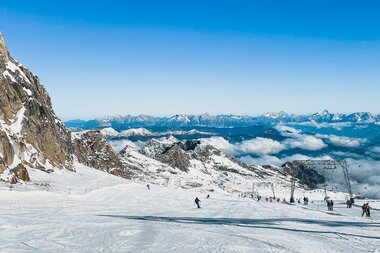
(31, 132)
(172, 154)
(21, 173)
(308, 176)
(176, 157)
(92, 149)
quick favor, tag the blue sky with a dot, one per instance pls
(166, 57)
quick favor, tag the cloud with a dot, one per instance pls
(298, 140)
(374, 152)
(273, 160)
(260, 146)
(221, 144)
(286, 129)
(118, 145)
(336, 126)
(266, 146)
(342, 141)
(307, 142)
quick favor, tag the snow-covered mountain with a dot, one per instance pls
(207, 120)
(32, 136)
(196, 164)
(135, 132)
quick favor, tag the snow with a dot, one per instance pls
(16, 69)
(109, 132)
(135, 132)
(190, 132)
(16, 125)
(7, 74)
(29, 92)
(103, 213)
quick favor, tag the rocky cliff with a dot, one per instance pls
(31, 135)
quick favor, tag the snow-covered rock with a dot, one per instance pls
(135, 132)
(109, 132)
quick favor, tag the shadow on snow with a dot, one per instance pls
(259, 223)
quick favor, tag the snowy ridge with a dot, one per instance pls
(135, 132)
(197, 165)
(206, 120)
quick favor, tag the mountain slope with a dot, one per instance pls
(195, 164)
(31, 135)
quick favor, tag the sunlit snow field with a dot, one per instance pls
(103, 213)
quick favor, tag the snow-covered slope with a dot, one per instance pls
(128, 217)
(197, 165)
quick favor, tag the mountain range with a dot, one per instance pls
(222, 121)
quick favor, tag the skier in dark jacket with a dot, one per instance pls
(368, 210)
(197, 202)
(364, 209)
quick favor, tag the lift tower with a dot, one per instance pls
(326, 164)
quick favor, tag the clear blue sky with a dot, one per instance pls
(165, 57)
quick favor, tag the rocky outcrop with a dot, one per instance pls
(32, 136)
(3, 49)
(307, 176)
(92, 149)
(170, 152)
(21, 173)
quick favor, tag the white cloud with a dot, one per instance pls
(342, 141)
(283, 129)
(260, 146)
(221, 144)
(307, 142)
(337, 126)
(299, 140)
(118, 145)
(265, 146)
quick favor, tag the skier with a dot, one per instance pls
(368, 211)
(208, 195)
(331, 205)
(328, 205)
(364, 209)
(348, 202)
(148, 186)
(197, 202)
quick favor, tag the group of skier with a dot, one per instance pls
(330, 205)
(366, 210)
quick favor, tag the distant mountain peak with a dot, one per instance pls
(222, 120)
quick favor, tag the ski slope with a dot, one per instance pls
(116, 215)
